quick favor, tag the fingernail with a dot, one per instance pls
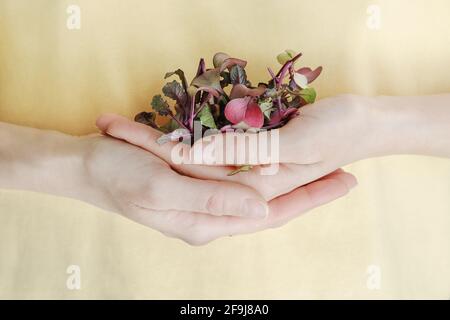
(252, 208)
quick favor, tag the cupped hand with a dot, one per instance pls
(325, 136)
(288, 176)
(144, 188)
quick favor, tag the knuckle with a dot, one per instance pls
(215, 202)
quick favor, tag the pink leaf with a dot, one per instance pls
(244, 110)
(290, 112)
(275, 117)
(201, 67)
(278, 116)
(235, 110)
(310, 74)
(240, 91)
(254, 116)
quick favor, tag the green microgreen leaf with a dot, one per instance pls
(285, 56)
(244, 168)
(266, 107)
(160, 105)
(308, 94)
(207, 118)
(170, 126)
(180, 74)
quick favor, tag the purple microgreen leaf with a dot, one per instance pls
(176, 92)
(201, 67)
(281, 117)
(147, 118)
(290, 112)
(181, 75)
(210, 79)
(275, 117)
(246, 107)
(240, 91)
(238, 75)
(311, 75)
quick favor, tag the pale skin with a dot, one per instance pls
(125, 179)
(340, 130)
(148, 188)
(329, 134)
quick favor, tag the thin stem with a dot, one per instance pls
(279, 103)
(176, 120)
(191, 119)
(202, 105)
(283, 71)
(271, 74)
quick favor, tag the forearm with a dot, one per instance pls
(42, 161)
(411, 125)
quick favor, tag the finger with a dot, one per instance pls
(270, 183)
(176, 192)
(135, 133)
(146, 137)
(315, 194)
(281, 181)
(199, 229)
(290, 206)
(231, 148)
(193, 228)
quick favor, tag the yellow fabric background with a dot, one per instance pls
(51, 77)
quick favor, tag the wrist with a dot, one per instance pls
(384, 125)
(45, 161)
(38, 160)
(410, 125)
